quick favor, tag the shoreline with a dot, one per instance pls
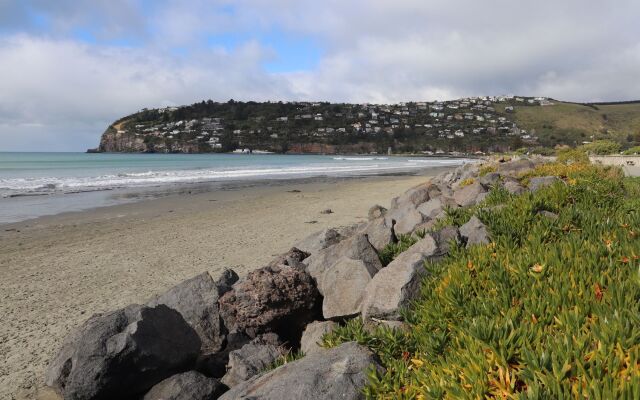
(59, 270)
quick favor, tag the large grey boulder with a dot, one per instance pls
(281, 299)
(404, 219)
(489, 180)
(379, 233)
(122, 354)
(343, 286)
(432, 208)
(312, 336)
(318, 241)
(356, 247)
(414, 196)
(250, 360)
(396, 285)
(513, 186)
(540, 182)
(475, 232)
(190, 385)
(515, 168)
(337, 373)
(468, 195)
(196, 299)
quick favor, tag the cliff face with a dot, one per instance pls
(113, 141)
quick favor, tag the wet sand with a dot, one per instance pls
(57, 271)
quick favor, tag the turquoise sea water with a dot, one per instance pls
(68, 178)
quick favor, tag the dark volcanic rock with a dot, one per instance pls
(279, 298)
(338, 373)
(190, 385)
(122, 354)
(196, 299)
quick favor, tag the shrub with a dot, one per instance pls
(568, 156)
(601, 147)
(632, 151)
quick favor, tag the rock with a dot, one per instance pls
(376, 212)
(215, 364)
(475, 232)
(327, 211)
(540, 182)
(515, 168)
(337, 373)
(489, 180)
(190, 385)
(404, 219)
(379, 233)
(250, 360)
(319, 240)
(356, 247)
(226, 281)
(414, 196)
(280, 299)
(196, 299)
(313, 334)
(513, 187)
(292, 258)
(548, 214)
(434, 207)
(123, 353)
(343, 286)
(468, 195)
(481, 197)
(398, 283)
(446, 238)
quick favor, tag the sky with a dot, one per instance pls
(68, 68)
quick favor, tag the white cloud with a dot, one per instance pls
(372, 50)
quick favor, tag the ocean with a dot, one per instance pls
(36, 184)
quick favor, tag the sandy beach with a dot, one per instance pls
(57, 271)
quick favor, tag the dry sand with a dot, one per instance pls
(57, 271)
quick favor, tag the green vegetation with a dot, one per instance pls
(572, 124)
(632, 151)
(549, 310)
(601, 147)
(286, 358)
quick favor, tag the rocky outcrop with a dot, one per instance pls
(338, 373)
(190, 385)
(123, 353)
(468, 195)
(279, 299)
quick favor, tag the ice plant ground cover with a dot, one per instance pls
(549, 310)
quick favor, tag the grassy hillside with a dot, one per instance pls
(549, 310)
(571, 123)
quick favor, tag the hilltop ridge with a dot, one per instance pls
(467, 125)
